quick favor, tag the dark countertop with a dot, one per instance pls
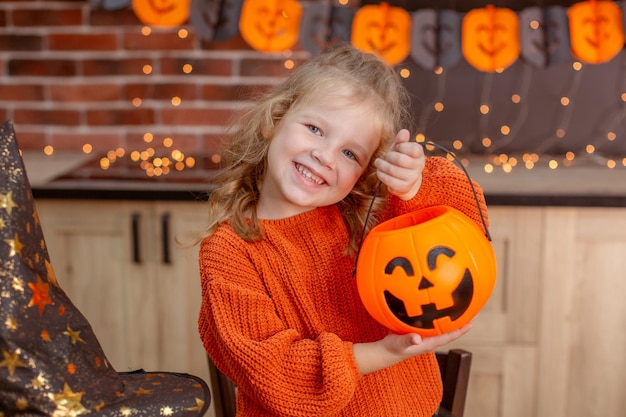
(71, 175)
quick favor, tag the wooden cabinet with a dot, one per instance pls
(548, 343)
(120, 264)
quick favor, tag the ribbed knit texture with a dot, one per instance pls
(279, 316)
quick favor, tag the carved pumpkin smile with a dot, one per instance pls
(462, 296)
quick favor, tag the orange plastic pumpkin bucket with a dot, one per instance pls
(427, 272)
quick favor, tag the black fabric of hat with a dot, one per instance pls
(51, 363)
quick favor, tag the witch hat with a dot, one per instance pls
(51, 363)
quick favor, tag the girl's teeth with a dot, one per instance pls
(309, 175)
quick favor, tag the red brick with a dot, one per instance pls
(85, 92)
(3, 18)
(21, 43)
(217, 92)
(28, 138)
(93, 67)
(265, 67)
(47, 17)
(21, 92)
(200, 66)
(100, 142)
(196, 117)
(3, 114)
(116, 18)
(47, 117)
(168, 41)
(234, 43)
(82, 42)
(115, 117)
(213, 143)
(162, 91)
(42, 67)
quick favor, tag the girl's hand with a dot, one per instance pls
(411, 344)
(394, 348)
(401, 168)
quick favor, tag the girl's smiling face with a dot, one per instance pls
(319, 150)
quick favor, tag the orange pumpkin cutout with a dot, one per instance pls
(490, 38)
(596, 30)
(166, 13)
(270, 25)
(427, 272)
(382, 30)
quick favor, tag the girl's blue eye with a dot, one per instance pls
(349, 154)
(314, 129)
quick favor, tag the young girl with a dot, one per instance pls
(281, 315)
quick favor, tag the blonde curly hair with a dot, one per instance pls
(369, 81)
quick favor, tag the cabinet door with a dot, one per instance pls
(91, 246)
(122, 265)
(178, 293)
(582, 338)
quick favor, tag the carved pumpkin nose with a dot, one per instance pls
(425, 284)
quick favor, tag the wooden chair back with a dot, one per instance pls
(455, 371)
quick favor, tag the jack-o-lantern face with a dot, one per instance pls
(427, 272)
(382, 30)
(165, 13)
(457, 292)
(270, 25)
(596, 30)
(490, 38)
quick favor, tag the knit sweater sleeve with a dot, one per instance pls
(444, 183)
(279, 369)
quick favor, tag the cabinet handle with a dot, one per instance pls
(135, 219)
(165, 233)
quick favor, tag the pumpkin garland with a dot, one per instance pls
(490, 38)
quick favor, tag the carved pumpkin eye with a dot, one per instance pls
(427, 272)
(162, 12)
(596, 30)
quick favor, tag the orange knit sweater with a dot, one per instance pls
(279, 316)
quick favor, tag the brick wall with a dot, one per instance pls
(73, 74)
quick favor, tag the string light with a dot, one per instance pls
(174, 159)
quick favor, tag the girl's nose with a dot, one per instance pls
(324, 155)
